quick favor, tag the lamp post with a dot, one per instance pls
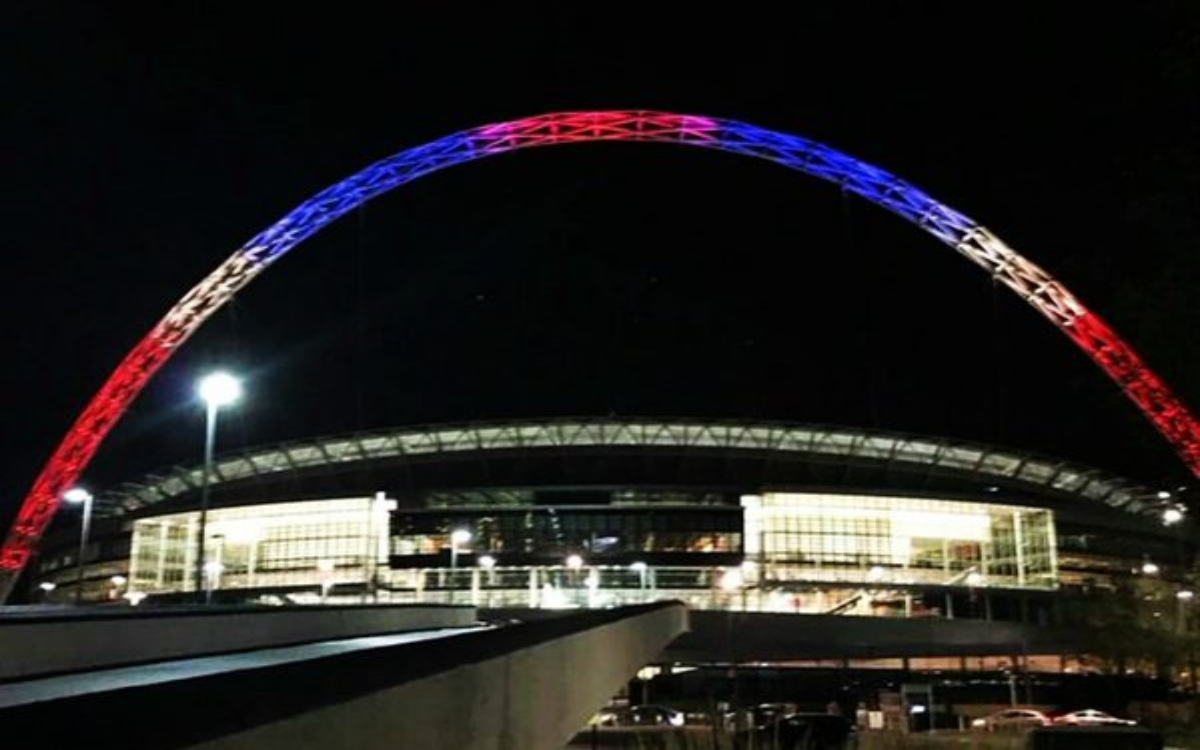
(117, 582)
(326, 568)
(216, 390)
(213, 569)
(457, 537)
(212, 572)
(487, 563)
(574, 563)
(640, 568)
(1183, 597)
(78, 495)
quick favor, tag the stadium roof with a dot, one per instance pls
(1038, 474)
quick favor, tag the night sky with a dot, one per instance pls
(141, 147)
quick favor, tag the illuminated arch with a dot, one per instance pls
(1034, 285)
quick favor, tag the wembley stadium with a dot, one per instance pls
(765, 518)
(791, 545)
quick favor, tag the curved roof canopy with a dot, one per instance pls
(1037, 474)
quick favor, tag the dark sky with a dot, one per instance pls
(141, 147)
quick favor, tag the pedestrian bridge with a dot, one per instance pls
(307, 677)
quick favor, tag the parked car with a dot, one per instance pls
(765, 714)
(1090, 717)
(1012, 720)
(640, 716)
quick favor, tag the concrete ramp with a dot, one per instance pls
(521, 686)
(43, 641)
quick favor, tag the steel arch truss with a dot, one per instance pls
(1033, 284)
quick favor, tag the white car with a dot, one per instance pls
(1012, 720)
(1090, 717)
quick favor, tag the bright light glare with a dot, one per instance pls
(242, 532)
(1185, 595)
(220, 389)
(974, 578)
(731, 580)
(487, 561)
(49, 586)
(460, 536)
(574, 562)
(552, 598)
(118, 580)
(1149, 568)
(637, 567)
(876, 573)
(77, 495)
(1172, 516)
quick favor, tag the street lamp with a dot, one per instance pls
(77, 495)
(212, 571)
(326, 568)
(574, 563)
(1183, 598)
(457, 537)
(640, 568)
(488, 563)
(216, 390)
(731, 580)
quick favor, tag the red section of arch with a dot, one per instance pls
(80, 444)
(1140, 383)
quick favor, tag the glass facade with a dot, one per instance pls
(776, 552)
(812, 537)
(545, 534)
(276, 546)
